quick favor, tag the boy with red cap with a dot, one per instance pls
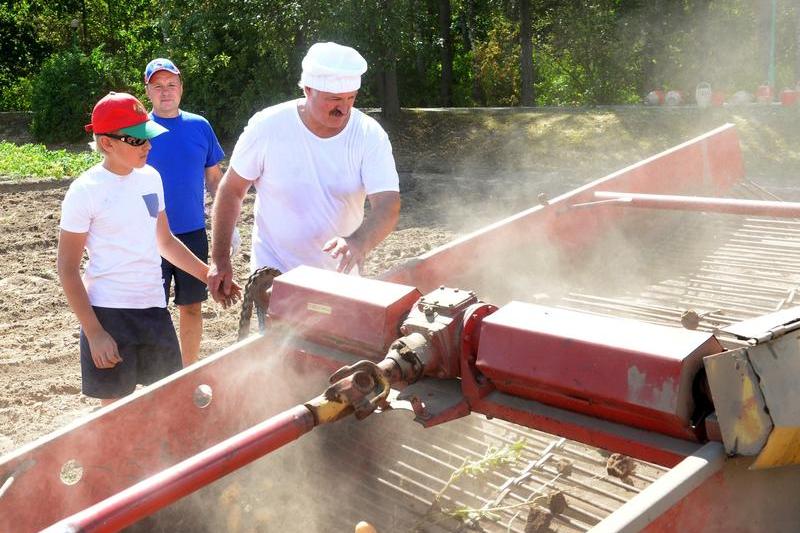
(115, 210)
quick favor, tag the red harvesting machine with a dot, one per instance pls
(648, 317)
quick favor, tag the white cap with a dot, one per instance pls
(332, 68)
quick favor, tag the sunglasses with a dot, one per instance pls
(127, 139)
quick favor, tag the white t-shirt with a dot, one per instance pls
(119, 214)
(309, 189)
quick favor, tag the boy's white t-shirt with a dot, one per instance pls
(119, 214)
(309, 189)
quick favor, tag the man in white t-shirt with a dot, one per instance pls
(313, 161)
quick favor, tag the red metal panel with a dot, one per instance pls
(151, 430)
(168, 486)
(347, 311)
(737, 499)
(709, 164)
(623, 370)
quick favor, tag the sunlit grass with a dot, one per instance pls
(36, 161)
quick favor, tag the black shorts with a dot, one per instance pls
(188, 289)
(148, 347)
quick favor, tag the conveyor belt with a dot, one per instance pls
(750, 267)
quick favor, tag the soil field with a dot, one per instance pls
(459, 170)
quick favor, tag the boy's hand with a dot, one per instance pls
(103, 349)
(220, 281)
(223, 289)
(232, 297)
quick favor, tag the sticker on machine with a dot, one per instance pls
(319, 308)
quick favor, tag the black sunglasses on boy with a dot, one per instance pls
(127, 139)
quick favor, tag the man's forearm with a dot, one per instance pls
(379, 222)
(225, 212)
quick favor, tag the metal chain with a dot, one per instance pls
(259, 280)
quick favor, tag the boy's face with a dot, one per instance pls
(121, 157)
(165, 90)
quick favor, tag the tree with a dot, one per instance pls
(526, 53)
(446, 38)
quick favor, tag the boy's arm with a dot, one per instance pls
(179, 255)
(101, 345)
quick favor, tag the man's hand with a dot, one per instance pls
(103, 349)
(221, 285)
(349, 250)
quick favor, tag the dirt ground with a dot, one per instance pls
(459, 170)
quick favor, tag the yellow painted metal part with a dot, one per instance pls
(751, 426)
(782, 449)
(326, 411)
(756, 395)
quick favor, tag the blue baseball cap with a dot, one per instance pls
(159, 64)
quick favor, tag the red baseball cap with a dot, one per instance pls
(123, 112)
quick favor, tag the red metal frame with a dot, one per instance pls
(697, 203)
(168, 486)
(616, 369)
(709, 164)
(240, 375)
(115, 452)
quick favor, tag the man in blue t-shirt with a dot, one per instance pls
(187, 157)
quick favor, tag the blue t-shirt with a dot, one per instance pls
(181, 156)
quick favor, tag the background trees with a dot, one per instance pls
(241, 55)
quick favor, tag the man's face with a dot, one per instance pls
(164, 91)
(330, 110)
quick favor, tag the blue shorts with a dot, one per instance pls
(188, 289)
(148, 347)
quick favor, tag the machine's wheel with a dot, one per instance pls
(256, 291)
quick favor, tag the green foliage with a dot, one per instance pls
(497, 63)
(21, 49)
(235, 57)
(65, 91)
(593, 41)
(16, 95)
(35, 160)
(238, 56)
(494, 459)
